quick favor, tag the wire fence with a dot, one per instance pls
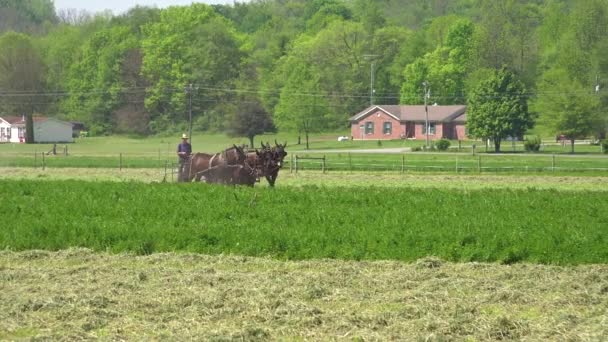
(423, 162)
(404, 162)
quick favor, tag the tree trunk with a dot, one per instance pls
(251, 145)
(299, 139)
(307, 146)
(572, 146)
(496, 145)
(29, 128)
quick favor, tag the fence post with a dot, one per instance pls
(479, 163)
(35, 159)
(402, 163)
(165, 176)
(43, 162)
(553, 162)
(456, 164)
(459, 145)
(323, 165)
(350, 163)
(120, 163)
(295, 165)
(291, 164)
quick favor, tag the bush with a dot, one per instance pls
(443, 144)
(532, 145)
(605, 146)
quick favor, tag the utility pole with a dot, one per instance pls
(427, 93)
(189, 90)
(371, 86)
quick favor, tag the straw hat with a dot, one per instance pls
(184, 136)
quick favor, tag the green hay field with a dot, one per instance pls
(308, 222)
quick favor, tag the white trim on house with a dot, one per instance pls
(366, 113)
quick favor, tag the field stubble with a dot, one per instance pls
(79, 294)
(342, 179)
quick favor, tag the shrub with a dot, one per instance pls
(379, 143)
(532, 145)
(443, 144)
(605, 146)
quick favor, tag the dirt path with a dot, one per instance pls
(78, 294)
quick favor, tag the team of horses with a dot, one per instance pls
(236, 165)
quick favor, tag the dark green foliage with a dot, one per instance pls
(605, 146)
(498, 108)
(491, 225)
(442, 144)
(532, 144)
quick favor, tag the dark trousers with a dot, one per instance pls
(184, 166)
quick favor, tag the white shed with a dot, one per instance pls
(46, 130)
(50, 130)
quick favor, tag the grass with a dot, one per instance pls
(450, 162)
(310, 222)
(78, 294)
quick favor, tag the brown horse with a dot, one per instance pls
(203, 161)
(275, 156)
(230, 174)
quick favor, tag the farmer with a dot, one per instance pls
(184, 150)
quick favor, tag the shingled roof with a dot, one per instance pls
(417, 113)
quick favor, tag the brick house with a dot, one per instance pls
(407, 122)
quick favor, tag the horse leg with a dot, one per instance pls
(271, 179)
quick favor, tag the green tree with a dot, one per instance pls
(250, 119)
(446, 68)
(26, 16)
(301, 107)
(189, 45)
(568, 107)
(498, 108)
(95, 85)
(22, 74)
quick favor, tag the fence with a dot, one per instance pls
(449, 162)
(405, 162)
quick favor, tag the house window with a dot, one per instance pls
(369, 128)
(431, 128)
(387, 128)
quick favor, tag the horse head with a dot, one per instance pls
(279, 153)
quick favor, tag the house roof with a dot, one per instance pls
(20, 120)
(417, 113)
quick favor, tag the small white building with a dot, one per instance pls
(5, 131)
(46, 130)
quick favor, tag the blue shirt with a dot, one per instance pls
(185, 147)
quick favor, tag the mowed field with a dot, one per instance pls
(98, 253)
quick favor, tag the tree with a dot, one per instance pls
(568, 107)
(22, 74)
(446, 68)
(95, 84)
(250, 119)
(498, 108)
(189, 45)
(301, 107)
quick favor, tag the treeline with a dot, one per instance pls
(301, 65)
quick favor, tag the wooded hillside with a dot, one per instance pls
(306, 65)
